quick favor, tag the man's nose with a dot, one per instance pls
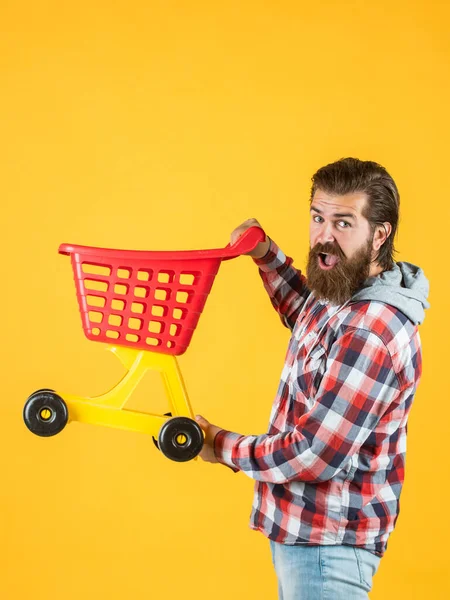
(325, 234)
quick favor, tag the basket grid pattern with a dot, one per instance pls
(147, 305)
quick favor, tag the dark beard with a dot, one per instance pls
(339, 283)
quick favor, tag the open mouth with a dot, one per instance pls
(327, 261)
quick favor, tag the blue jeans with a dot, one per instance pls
(323, 572)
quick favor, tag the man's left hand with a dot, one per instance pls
(207, 452)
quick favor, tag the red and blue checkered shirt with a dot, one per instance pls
(331, 467)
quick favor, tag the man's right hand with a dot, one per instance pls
(261, 249)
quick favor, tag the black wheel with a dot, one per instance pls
(45, 413)
(41, 390)
(155, 441)
(180, 439)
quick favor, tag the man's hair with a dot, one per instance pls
(350, 175)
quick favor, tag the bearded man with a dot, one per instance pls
(330, 469)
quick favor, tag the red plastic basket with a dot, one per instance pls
(147, 300)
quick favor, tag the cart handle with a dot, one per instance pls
(244, 244)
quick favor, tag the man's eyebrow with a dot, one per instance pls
(339, 215)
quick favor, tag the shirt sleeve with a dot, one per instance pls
(357, 389)
(286, 286)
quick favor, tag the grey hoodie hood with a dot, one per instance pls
(404, 286)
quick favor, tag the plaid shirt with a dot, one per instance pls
(331, 467)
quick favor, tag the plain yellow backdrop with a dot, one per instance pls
(163, 125)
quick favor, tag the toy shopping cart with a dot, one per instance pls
(145, 306)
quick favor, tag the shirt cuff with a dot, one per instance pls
(223, 447)
(273, 259)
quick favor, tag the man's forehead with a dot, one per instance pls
(353, 203)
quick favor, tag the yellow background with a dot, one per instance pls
(163, 125)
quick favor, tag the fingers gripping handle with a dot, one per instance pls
(246, 243)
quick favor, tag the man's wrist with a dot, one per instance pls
(266, 253)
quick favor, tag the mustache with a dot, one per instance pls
(327, 248)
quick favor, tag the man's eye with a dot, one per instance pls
(315, 217)
(344, 224)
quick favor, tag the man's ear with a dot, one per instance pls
(382, 232)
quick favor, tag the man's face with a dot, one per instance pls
(338, 229)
